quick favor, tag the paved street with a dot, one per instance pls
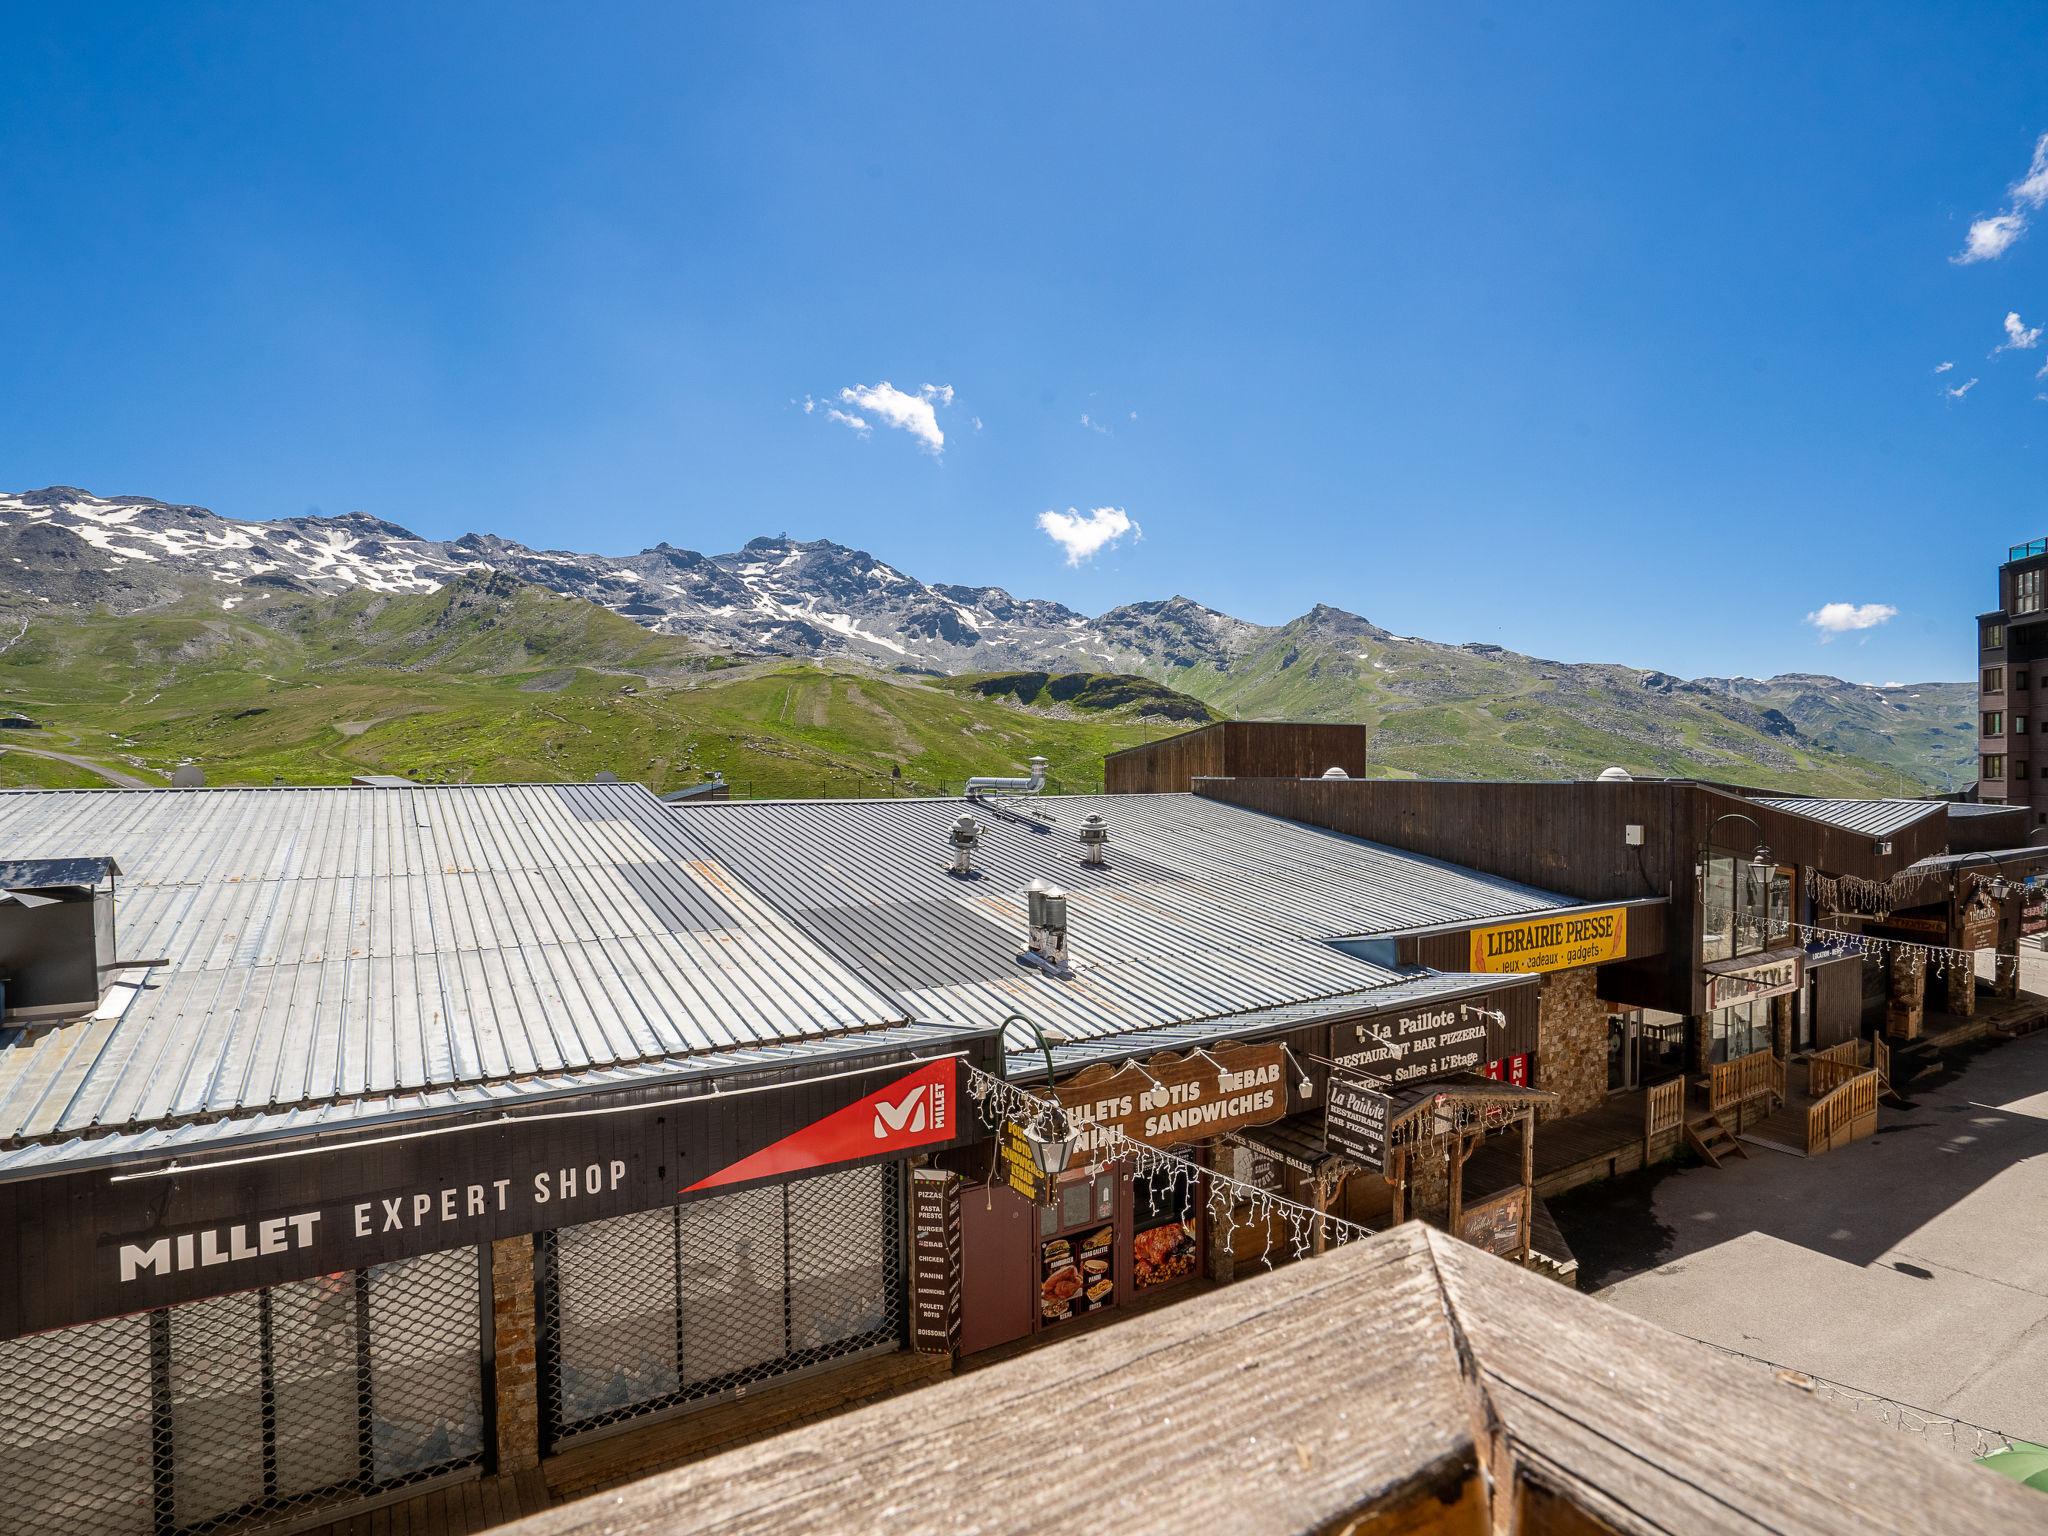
(1913, 1265)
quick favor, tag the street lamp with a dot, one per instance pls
(1051, 1136)
(1760, 861)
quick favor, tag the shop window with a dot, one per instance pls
(1739, 1030)
(667, 1309)
(1994, 723)
(1994, 636)
(1994, 680)
(1994, 767)
(259, 1403)
(1164, 1239)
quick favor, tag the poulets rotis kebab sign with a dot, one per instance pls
(1168, 1099)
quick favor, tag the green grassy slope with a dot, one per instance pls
(1444, 711)
(492, 680)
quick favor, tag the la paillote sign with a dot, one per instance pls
(1167, 1099)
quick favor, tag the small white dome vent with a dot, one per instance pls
(1615, 776)
(1335, 773)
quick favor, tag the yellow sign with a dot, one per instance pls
(1551, 943)
(1020, 1168)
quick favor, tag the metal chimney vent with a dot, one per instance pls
(1047, 904)
(1094, 840)
(56, 937)
(965, 838)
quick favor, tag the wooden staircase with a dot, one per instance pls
(1710, 1138)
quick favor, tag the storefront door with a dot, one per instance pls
(1624, 1051)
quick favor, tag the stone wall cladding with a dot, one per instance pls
(1907, 1009)
(515, 1328)
(1571, 1040)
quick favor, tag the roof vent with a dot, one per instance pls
(1335, 773)
(191, 776)
(56, 938)
(1048, 910)
(1615, 776)
(1094, 840)
(965, 838)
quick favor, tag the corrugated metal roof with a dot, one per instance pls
(1205, 911)
(342, 947)
(1875, 818)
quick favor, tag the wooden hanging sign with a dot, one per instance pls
(1167, 1100)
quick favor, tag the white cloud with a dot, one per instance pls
(977, 422)
(844, 419)
(1962, 389)
(811, 405)
(1833, 619)
(1938, 368)
(1084, 536)
(916, 414)
(1991, 237)
(2017, 337)
(1093, 425)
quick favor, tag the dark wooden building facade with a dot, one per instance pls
(1247, 749)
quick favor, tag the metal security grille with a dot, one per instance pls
(243, 1407)
(670, 1308)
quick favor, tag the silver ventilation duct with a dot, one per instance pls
(1030, 786)
(965, 838)
(1094, 840)
(1048, 911)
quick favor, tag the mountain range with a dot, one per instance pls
(1437, 708)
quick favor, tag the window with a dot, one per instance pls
(1745, 910)
(2026, 591)
(1741, 1029)
(1994, 636)
(2019, 681)
(1994, 679)
(1994, 723)
(2019, 725)
(2019, 768)
(1993, 768)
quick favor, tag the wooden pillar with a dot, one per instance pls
(1398, 1177)
(1529, 1150)
(1320, 1191)
(1456, 1152)
(2005, 967)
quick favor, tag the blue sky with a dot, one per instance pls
(1609, 334)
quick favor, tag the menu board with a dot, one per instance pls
(934, 1261)
(1163, 1254)
(1076, 1274)
(1355, 1122)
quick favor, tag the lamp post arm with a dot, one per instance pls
(1038, 1035)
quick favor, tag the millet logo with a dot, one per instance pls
(923, 1108)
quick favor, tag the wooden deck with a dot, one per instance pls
(1570, 1151)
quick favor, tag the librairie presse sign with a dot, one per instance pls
(1167, 1099)
(100, 1242)
(1551, 943)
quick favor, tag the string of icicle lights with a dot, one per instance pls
(998, 1099)
(1937, 956)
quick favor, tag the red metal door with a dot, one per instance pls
(998, 1264)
